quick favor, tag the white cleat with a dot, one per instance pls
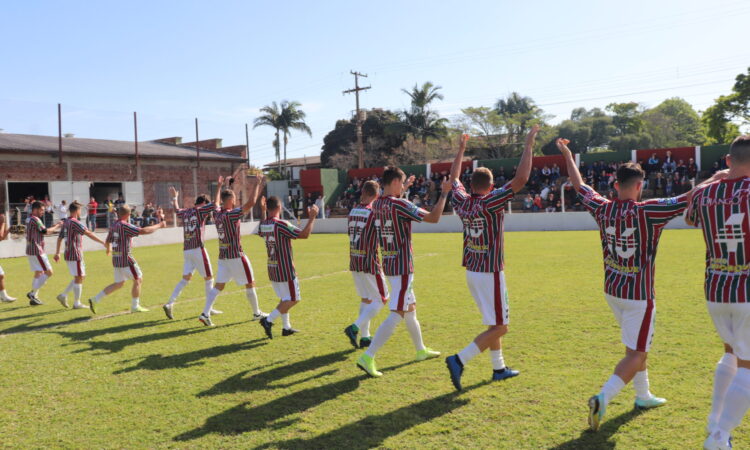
(713, 442)
(79, 305)
(259, 316)
(216, 311)
(7, 299)
(63, 299)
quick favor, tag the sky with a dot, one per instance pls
(220, 61)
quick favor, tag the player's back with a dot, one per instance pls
(228, 228)
(120, 236)
(278, 235)
(393, 218)
(73, 230)
(363, 242)
(194, 225)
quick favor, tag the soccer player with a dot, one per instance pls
(722, 210)
(630, 230)
(72, 232)
(35, 231)
(482, 215)
(393, 218)
(118, 242)
(233, 264)
(365, 265)
(278, 235)
(193, 250)
(4, 232)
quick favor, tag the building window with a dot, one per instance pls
(212, 190)
(162, 197)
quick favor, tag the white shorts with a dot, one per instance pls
(491, 296)
(402, 292)
(39, 263)
(132, 272)
(732, 322)
(76, 268)
(287, 290)
(237, 269)
(636, 319)
(197, 259)
(1, 271)
(371, 286)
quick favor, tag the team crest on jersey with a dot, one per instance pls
(625, 245)
(731, 233)
(192, 224)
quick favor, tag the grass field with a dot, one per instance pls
(138, 380)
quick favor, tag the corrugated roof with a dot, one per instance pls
(294, 162)
(103, 147)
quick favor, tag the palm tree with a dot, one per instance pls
(271, 117)
(421, 97)
(420, 121)
(291, 117)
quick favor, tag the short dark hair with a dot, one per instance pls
(36, 204)
(629, 172)
(201, 199)
(740, 149)
(370, 188)
(273, 203)
(481, 179)
(392, 173)
(75, 206)
(226, 195)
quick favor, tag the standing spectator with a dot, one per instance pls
(120, 201)
(319, 204)
(659, 185)
(91, 216)
(653, 164)
(48, 211)
(676, 184)
(669, 165)
(546, 174)
(669, 186)
(682, 169)
(110, 212)
(692, 171)
(723, 162)
(62, 210)
(148, 215)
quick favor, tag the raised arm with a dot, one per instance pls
(252, 194)
(175, 202)
(4, 229)
(263, 209)
(573, 174)
(219, 185)
(312, 214)
(524, 167)
(437, 211)
(456, 167)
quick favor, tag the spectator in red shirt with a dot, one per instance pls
(91, 217)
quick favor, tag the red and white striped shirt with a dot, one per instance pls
(228, 226)
(278, 235)
(630, 233)
(73, 231)
(393, 218)
(194, 225)
(722, 210)
(482, 218)
(363, 240)
(120, 236)
(35, 231)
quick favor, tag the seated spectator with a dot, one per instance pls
(723, 162)
(528, 202)
(669, 186)
(555, 172)
(603, 181)
(659, 185)
(550, 203)
(676, 184)
(692, 171)
(537, 205)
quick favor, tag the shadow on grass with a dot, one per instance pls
(90, 334)
(29, 316)
(600, 439)
(34, 325)
(190, 359)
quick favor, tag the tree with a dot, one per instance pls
(379, 143)
(674, 123)
(420, 121)
(729, 112)
(626, 117)
(486, 123)
(291, 117)
(271, 118)
(421, 97)
(518, 115)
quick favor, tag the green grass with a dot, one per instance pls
(138, 380)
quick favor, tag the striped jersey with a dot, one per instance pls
(72, 231)
(722, 210)
(630, 233)
(278, 235)
(393, 218)
(363, 240)
(120, 235)
(228, 227)
(194, 225)
(35, 231)
(482, 218)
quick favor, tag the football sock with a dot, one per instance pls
(640, 383)
(135, 302)
(286, 323)
(210, 299)
(367, 311)
(3, 294)
(496, 358)
(209, 284)
(736, 402)
(68, 288)
(38, 283)
(77, 292)
(384, 332)
(611, 388)
(412, 324)
(725, 371)
(177, 290)
(274, 314)
(252, 297)
(468, 353)
(99, 297)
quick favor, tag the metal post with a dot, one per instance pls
(247, 144)
(197, 147)
(135, 131)
(59, 134)
(358, 118)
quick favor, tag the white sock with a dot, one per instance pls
(177, 290)
(38, 283)
(468, 353)
(497, 360)
(725, 371)
(77, 292)
(640, 383)
(210, 299)
(384, 332)
(69, 287)
(135, 302)
(209, 284)
(611, 388)
(274, 314)
(736, 402)
(3, 294)
(252, 297)
(367, 311)
(286, 323)
(412, 324)
(98, 297)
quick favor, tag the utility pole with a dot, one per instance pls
(359, 118)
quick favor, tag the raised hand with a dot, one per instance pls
(446, 186)
(173, 192)
(263, 203)
(312, 212)
(409, 182)
(2, 219)
(464, 140)
(562, 144)
(220, 181)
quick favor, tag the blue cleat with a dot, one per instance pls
(365, 342)
(597, 408)
(456, 369)
(351, 332)
(504, 374)
(653, 402)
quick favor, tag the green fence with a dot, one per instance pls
(416, 169)
(495, 164)
(333, 182)
(613, 156)
(712, 153)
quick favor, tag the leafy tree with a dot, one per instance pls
(626, 117)
(271, 117)
(420, 121)
(518, 114)
(729, 112)
(674, 123)
(291, 117)
(379, 143)
(422, 96)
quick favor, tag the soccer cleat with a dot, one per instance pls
(597, 408)
(79, 305)
(205, 320)
(653, 402)
(168, 311)
(7, 299)
(365, 342)
(63, 299)
(259, 316)
(138, 309)
(288, 331)
(427, 353)
(504, 374)
(367, 364)
(216, 311)
(91, 306)
(33, 299)
(351, 332)
(267, 327)
(713, 443)
(456, 369)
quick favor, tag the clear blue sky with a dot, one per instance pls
(220, 61)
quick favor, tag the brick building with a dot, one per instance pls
(30, 165)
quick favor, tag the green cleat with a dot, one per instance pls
(427, 353)
(138, 309)
(597, 409)
(653, 402)
(367, 364)
(92, 306)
